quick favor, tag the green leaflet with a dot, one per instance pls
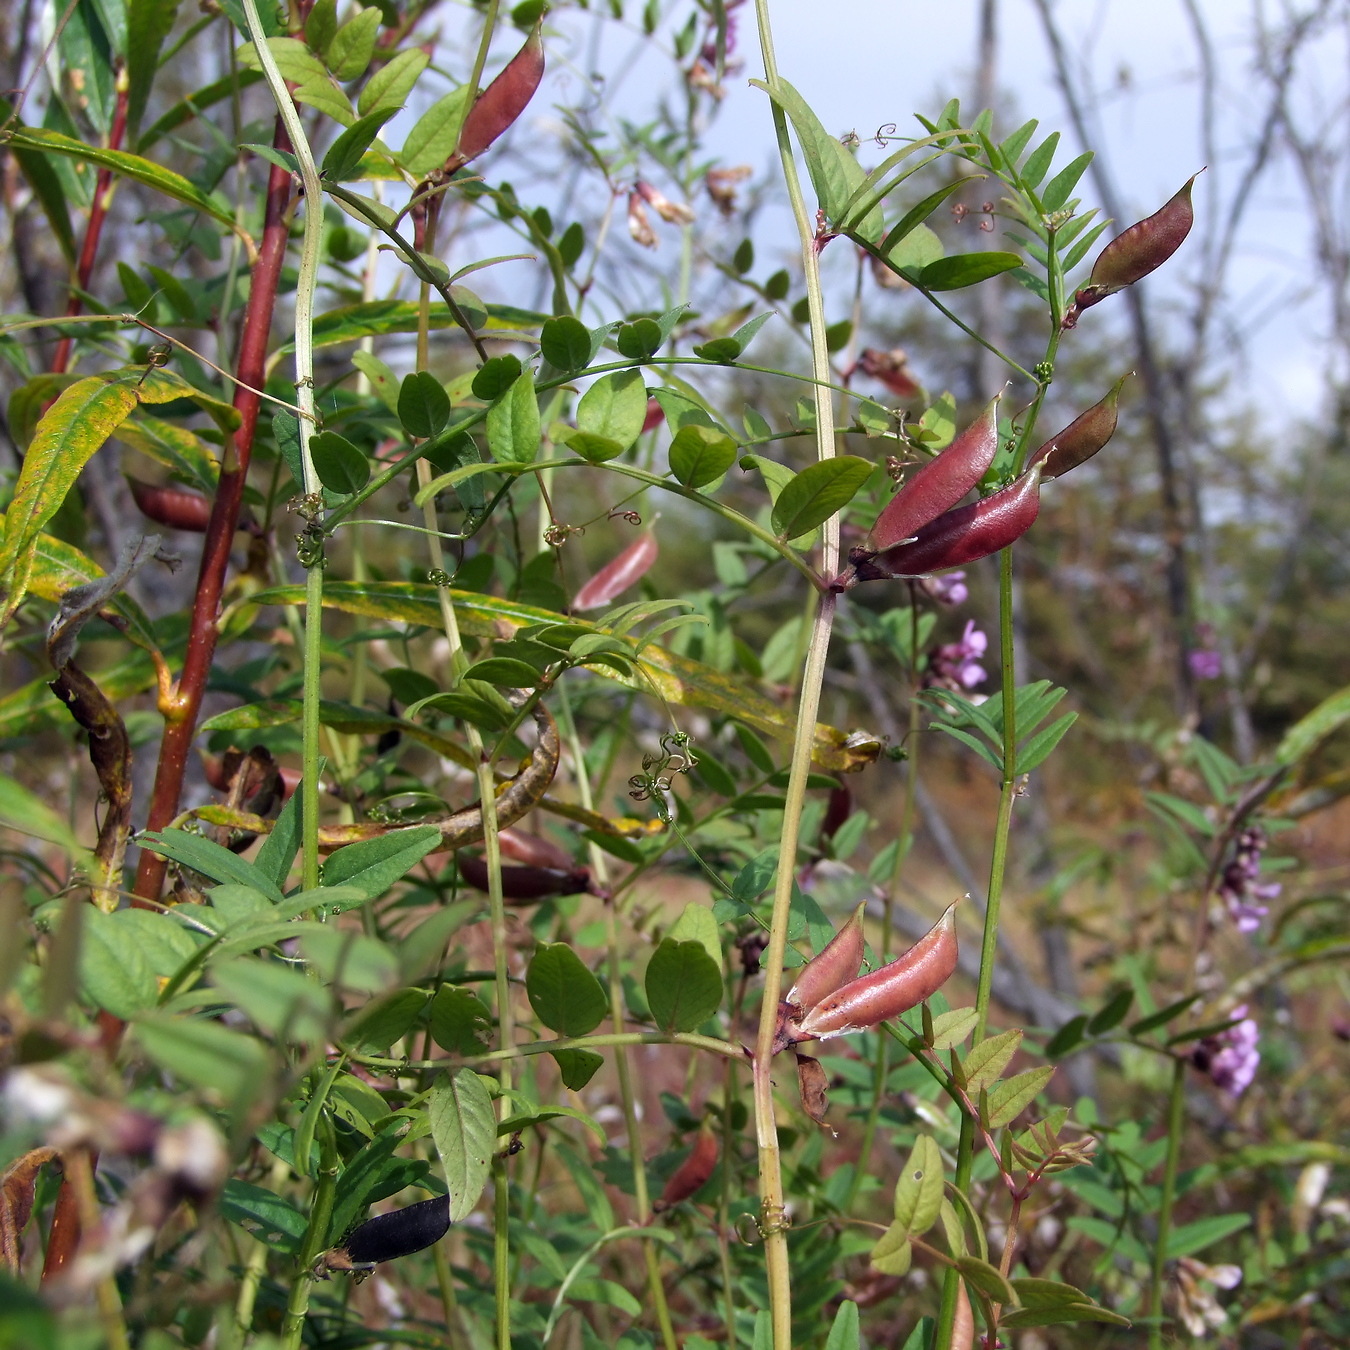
(57, 566)
(465, 1133)
(139, 170)
(76, 425)
(678, 679)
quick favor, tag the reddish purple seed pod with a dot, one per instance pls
(178, 508)
(1082, 438)
(525, 885)
(693, 1173)
(533, 850)
(502, 102)
(617, 575)
(956, 537)
(889, 990)
(836, 963)
(940, 484)
(1141, 249)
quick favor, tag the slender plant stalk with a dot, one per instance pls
(773, 1221)
(600, 869)
(312, 554)
(314, 1240)
(98, 214)
(1176, 1115)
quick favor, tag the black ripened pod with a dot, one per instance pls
(398, 1233)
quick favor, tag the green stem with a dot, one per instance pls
(772, 1215)
(1176, 1114)
(307, 279)
(501, 1252)
(315, 1239)
(600, 869)
(965, 1149)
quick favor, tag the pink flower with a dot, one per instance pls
(956, 665)
(950, 589)
(1230, 1057)
(1238, 886)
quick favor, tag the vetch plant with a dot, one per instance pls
(469, 958)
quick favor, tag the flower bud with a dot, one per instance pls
(1082, 438)
(955, 538)
(673, 213)
(940, 484)
(1141, 249)
(640, 223)
(889, 990)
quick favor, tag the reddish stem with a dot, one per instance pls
(182, 709)
(98, 213)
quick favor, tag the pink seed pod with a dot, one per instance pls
(835, 964)
(525, 885)
(940, 484)
(693, 1173)
(178, 508)
(963, 1324)
(889, 990)
(617, 575)
(533, 850)
(1141, 249)
(501, 103)
(1082, 438)
(955, 538)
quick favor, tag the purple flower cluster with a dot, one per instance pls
(1239, 888)
(1231, 1057)
(1205, 664)
(950, 589)
(956, 665)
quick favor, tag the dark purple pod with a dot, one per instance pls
(1082, 438)
(1141, 249)
(524, 885)
(386, 1237)
(955, 538)
(534, 850)
(940, 484)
